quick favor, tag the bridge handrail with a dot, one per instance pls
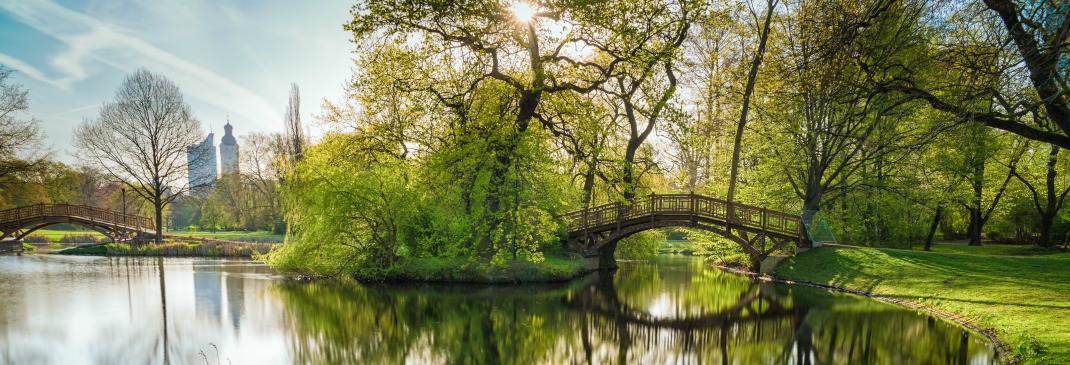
(106, 216)
(685, 204)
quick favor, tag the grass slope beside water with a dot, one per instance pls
(458, 270)
(174, 247)
(1025, 300)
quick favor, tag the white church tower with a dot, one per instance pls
(228, 151)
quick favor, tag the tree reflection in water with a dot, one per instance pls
(675, 310)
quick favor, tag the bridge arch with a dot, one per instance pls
(595, 232)
(26, 231)
(603, 300)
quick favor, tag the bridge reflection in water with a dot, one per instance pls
(675, 311)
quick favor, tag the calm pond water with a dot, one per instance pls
(675, 310)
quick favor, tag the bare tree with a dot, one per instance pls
(90, 185)
(294, 136)
(258, 164)
(140, 140)
(20, 139)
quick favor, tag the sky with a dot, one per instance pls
(232, 58)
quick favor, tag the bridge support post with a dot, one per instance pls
(11, 246)
(602, 259)
(606, 261)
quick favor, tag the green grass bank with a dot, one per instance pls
(1022, 300)
(461, 271)
(175, 247)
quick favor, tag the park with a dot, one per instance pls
(666, 181)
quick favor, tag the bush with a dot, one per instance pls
(640, 246)
(36, 238)
(720, 250)
(83, 238)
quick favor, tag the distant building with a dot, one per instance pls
(228, 151)
(201, 158)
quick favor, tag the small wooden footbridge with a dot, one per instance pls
(17, 223)
(594, 232)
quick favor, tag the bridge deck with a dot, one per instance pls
(684, 207)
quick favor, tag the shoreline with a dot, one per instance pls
(1002, 347)
(172, 247)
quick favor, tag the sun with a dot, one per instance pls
(523, 11)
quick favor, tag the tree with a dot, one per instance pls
(700, 136)
(1001, 44)
(748, 91)
(464, 48)
(20, 139)
(293, 138)
(90, 186)
(1047, 199)
(259, 163)
(833, 116)
(140, 140)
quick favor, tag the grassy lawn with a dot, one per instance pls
(227, 235)
(55, 235)
(989, 249)
(1025, 300)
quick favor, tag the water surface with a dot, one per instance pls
(675, 310)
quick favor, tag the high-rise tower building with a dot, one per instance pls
(201, 158)
(228, 151)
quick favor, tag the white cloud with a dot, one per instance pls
(89, 39)
(30, 71)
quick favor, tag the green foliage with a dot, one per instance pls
(356, 212)
(683, 246)
(247, 236)
(1029, 348)
(719, 250)
(347, 210)
(640, 246)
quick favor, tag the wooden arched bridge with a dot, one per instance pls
(594, 232)
(17, 223)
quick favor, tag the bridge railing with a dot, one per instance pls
(686, 204)
(104, 216)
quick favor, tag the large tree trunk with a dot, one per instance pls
(976, 218)
(975, 226)
(812, 197)
(629, 167)
(1047, 219)
(588, 187)
(933, 227)
(1047, 216)
(606, 261)
(157, 203)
